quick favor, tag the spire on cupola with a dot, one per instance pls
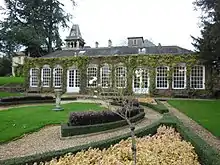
(75, 40)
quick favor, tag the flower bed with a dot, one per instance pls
(91, 121)
(165, 146)
(99, 117)
(85, 129)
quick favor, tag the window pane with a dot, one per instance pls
(120, 77)
(179, 77)
(46, 77)
(57, 79)
(34, 77)
(197, 77)
(91, 74)
(137, 79)
(105, 77)
(161, 77)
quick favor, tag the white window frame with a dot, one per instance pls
(119, 77)
(55, 77)
(203, 78)
(107, 76)
(94, 69)
(145, 77)
(32, 77)
(164, 77)
(183, 66)
(45, 77)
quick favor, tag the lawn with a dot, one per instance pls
(11, 80)
(206, 113)
(7, 94)
(16, 122)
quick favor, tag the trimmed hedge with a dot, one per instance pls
(159, 107)
(120, 102)
(68, 98)
(99, 117)
(207, 155)
(25, 100)
(85, 129)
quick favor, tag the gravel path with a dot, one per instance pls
(202, 132)
(48, 139)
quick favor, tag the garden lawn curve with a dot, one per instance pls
(9, 94)
(204, 112)
(16, 122)
(11, 80)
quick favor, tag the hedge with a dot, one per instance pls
(25, 100)
(207, 154)
(100, 117)
(159, 107)
(85, 129)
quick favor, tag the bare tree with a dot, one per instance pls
(123, 111)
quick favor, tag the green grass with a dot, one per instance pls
(7, 94)
(206, 113)
(11, 80)
(16, 122)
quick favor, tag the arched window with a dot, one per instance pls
(34, 79)
(179, 77)
(92, 73)
(120, 77)
(162, 77)
(105, 76)
(46, 76)
(197, 77)
(57, 76)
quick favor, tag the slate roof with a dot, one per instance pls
(119, 50)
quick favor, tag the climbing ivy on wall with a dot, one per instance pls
(130, 62)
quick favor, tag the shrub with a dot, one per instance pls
(25, 100)
(121, 102)
(105, 116)
(159, 107)
(85, 129)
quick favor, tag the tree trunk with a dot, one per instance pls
(133, 148)
(133, 142)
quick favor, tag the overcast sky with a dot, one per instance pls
(169, 22)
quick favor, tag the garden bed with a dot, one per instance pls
(207, 155)
(67, 131)
(97, 121)
(151, 150)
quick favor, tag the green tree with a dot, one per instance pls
(33, 24)
(208, 44)
(5, 66)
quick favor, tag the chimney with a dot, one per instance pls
(109, 43)
(96, 44)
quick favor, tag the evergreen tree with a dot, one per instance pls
(33, 24)
(209, 44)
